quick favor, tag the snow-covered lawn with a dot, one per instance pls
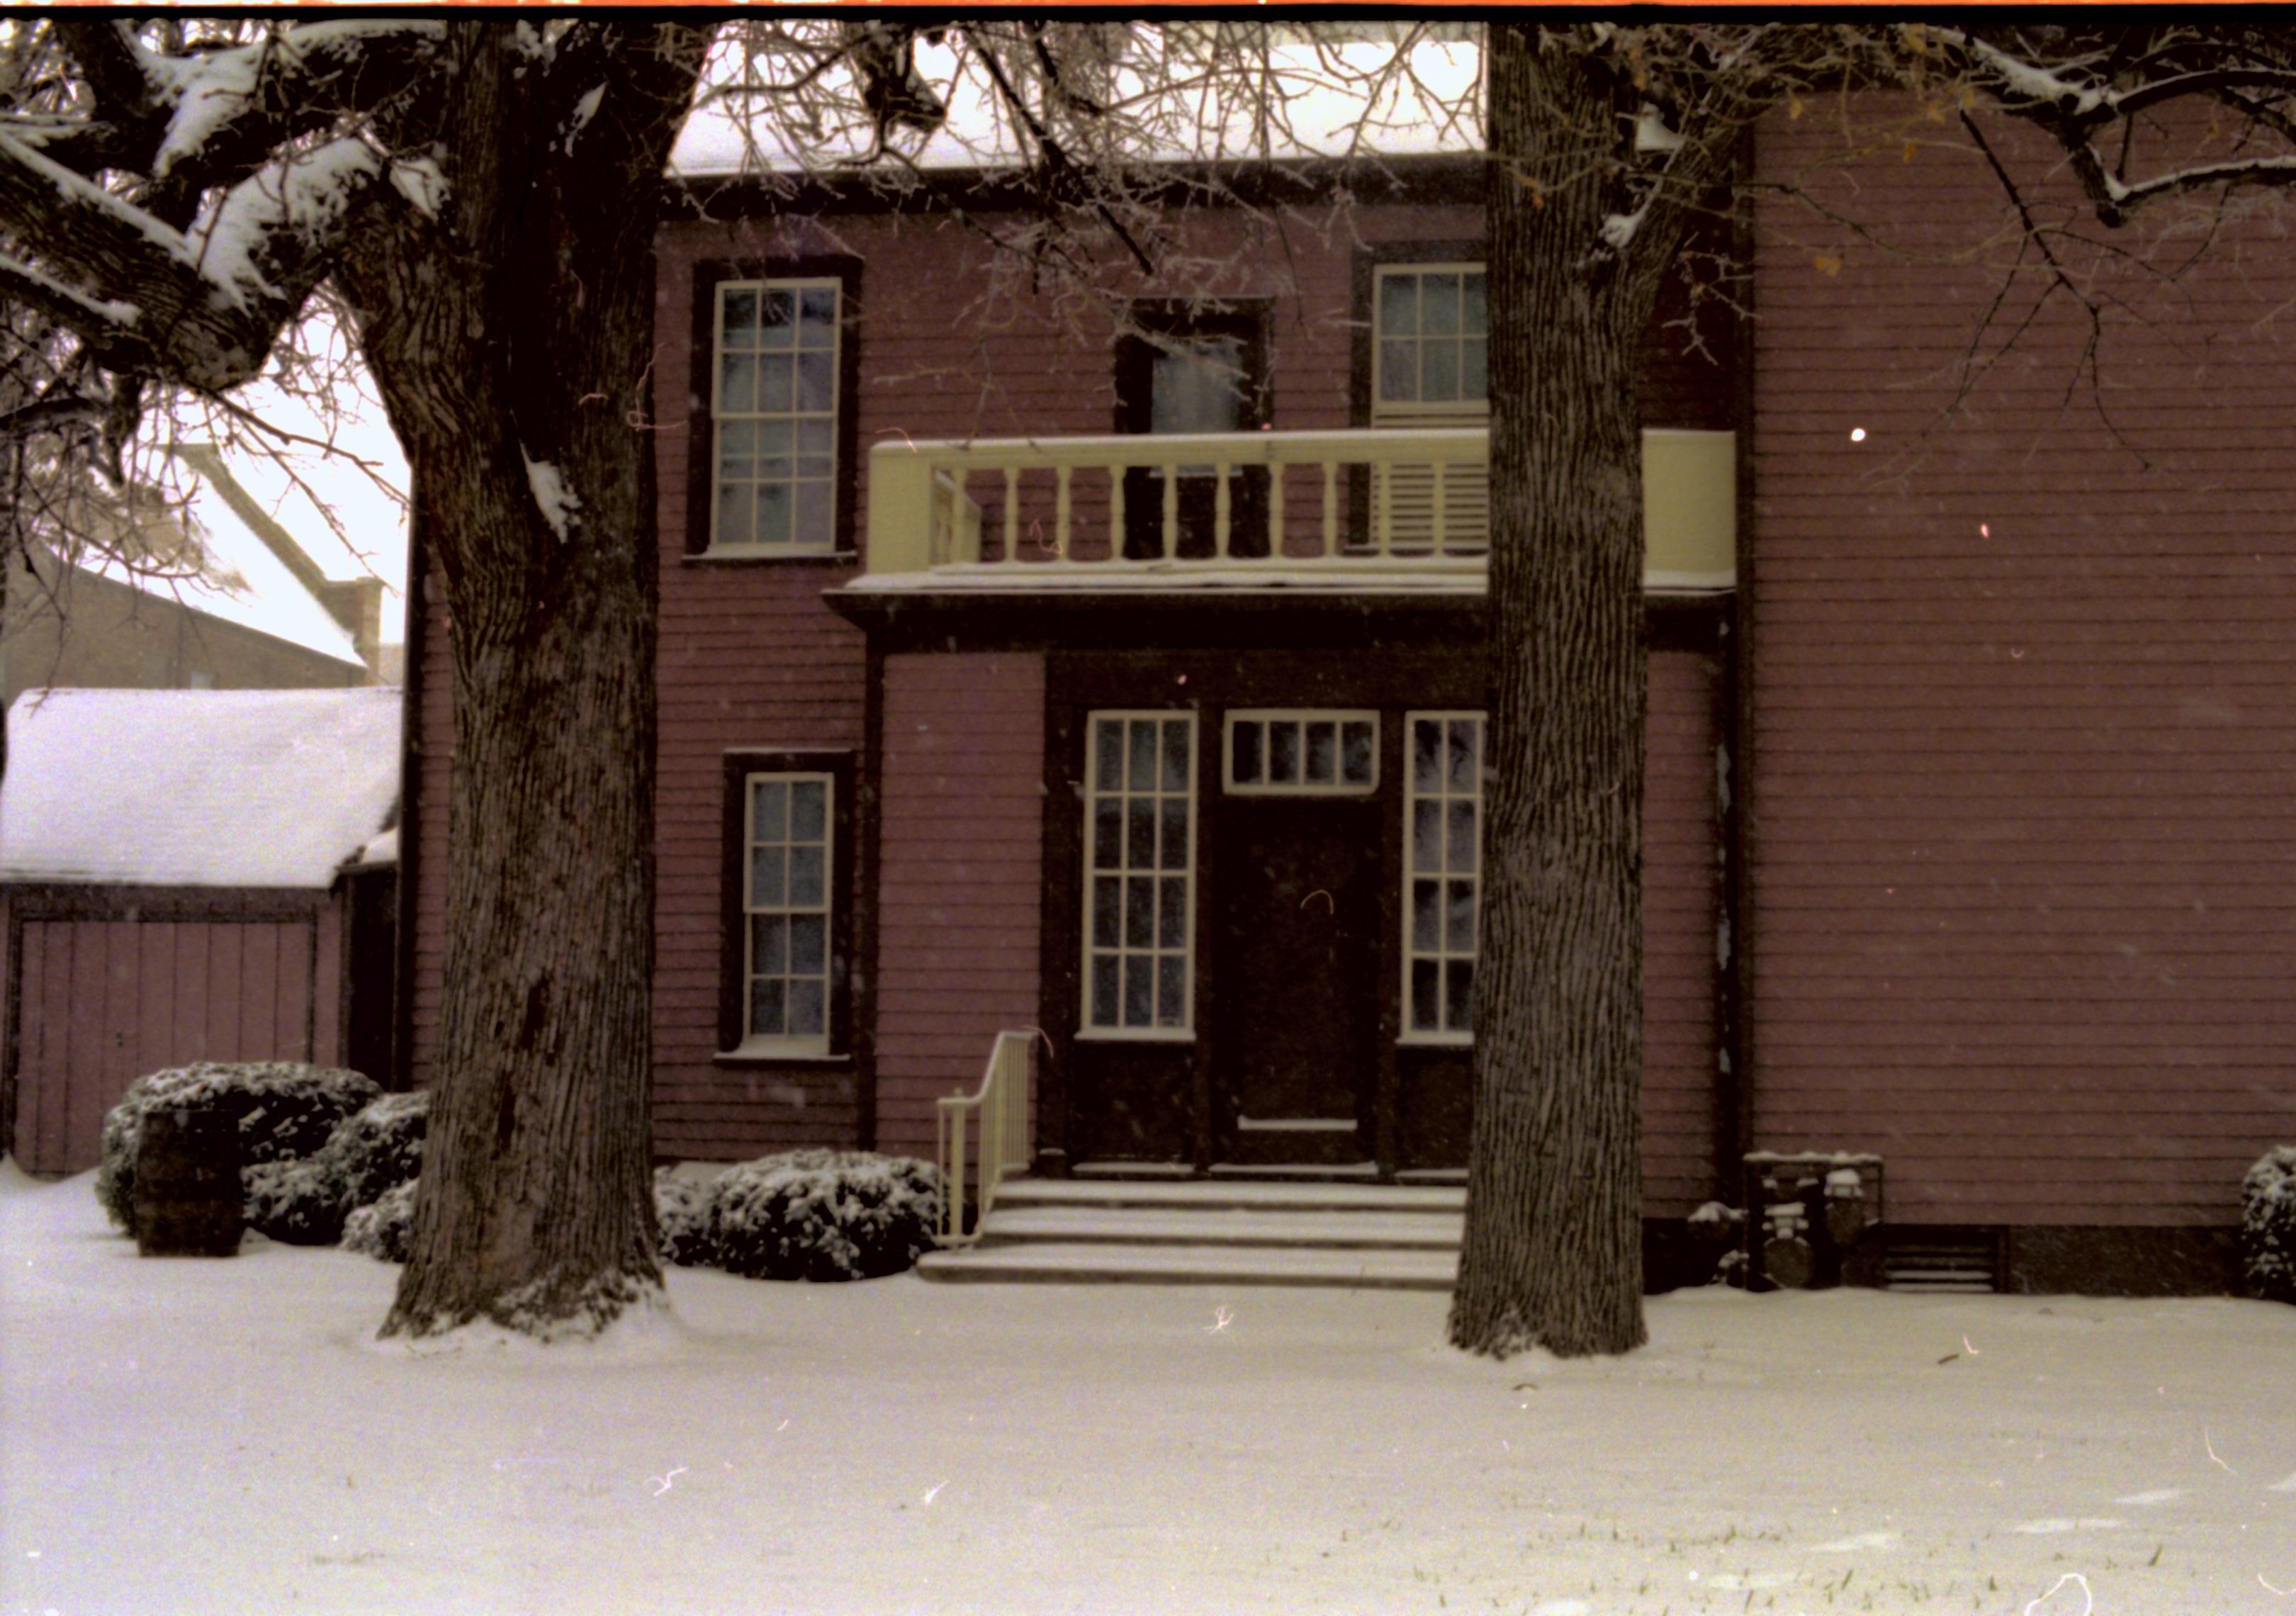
(186, 1436)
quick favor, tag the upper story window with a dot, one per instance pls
(1431, 357)
(773, 410)
(1429, 367)
(1193, 370)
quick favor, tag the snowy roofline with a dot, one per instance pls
(197, 788)
(1183, 97)
(1276, 179)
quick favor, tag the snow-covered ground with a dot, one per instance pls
(184, 1436)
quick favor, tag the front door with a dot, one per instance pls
(1294, 1057)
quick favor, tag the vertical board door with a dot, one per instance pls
(101, 1002)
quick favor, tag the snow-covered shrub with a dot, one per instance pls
(2267, 1225)
(305, 1203)
(383, 1228)
(681, 1209)
(284, 1110)
(824, 1215)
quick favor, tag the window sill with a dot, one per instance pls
(1435, 1040)
(768, 1054)
(1136, 1035)
(772, 558)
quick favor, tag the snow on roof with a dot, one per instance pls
(1331, 97)
(202, 788)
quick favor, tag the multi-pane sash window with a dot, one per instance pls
(1431, 369)
(774, 410)
(1444, 828)
(1434, 341)
(1139, 879)
(1273, 752)
(788, 842)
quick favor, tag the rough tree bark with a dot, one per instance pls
(1552, 1251)
(511, 345)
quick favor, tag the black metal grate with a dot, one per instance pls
(1950, 1260)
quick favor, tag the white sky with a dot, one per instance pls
(372, 540)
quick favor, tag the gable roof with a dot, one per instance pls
(202, 788)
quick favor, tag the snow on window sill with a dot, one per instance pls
(1136, 1035)
(781, 1050)
(722, 555)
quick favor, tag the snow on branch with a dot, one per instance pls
(2119, 92)
(263, 240)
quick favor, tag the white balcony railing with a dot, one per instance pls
(1382, 501)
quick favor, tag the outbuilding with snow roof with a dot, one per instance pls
(191, 875)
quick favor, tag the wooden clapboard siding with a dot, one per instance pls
(963, 812)
(749, 661)
(2023, 897)
(1681, 910)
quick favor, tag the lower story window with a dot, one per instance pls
(1139, 877)
(788, 907)
(785, 836)
(1443, 828)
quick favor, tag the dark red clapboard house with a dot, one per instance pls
(1117, 682)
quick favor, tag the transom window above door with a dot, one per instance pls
(1302, 751)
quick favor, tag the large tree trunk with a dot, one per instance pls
(1552, 1255)
(512, 346)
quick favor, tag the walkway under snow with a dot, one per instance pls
(191, 1437)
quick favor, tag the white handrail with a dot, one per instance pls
(1002, 1105)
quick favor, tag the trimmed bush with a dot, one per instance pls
(384, 1228)
(823, 1215)
(681, 1207)
(2267, 1225)
(305, 1203)
(284, 1110)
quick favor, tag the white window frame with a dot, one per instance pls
(788, 1044)
(1386, 412)
(1413, 796)
(1122, 952)
(1301, 716)
(719, 418)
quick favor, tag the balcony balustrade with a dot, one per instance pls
(1396, 508)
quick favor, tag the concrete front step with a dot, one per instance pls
(1204, 1194)
(1076, 1263)
(1214, 1232)
(1225, 1227)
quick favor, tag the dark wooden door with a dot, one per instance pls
(1297, 888)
